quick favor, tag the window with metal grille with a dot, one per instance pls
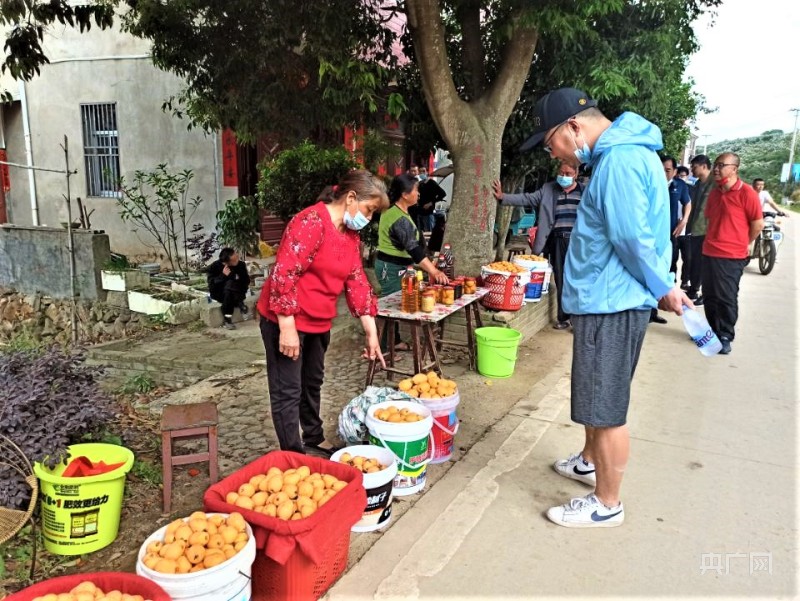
(101, 148)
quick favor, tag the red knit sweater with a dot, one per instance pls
(315, 264)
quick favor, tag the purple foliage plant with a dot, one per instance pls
(48, 400)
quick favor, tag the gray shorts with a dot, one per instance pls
(605, 351)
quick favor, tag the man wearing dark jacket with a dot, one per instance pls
(557, 206)
(228, 281)
(429, 194)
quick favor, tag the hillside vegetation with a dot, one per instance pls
(761, 156)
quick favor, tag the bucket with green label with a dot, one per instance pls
(410, 442)
(81, 514)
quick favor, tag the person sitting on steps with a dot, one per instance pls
(228, 281)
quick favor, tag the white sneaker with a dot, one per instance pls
(576, 468)
(586, 512)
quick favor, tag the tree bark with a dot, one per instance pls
(472, 130)
(472, 51)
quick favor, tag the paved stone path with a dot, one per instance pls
(241, 394)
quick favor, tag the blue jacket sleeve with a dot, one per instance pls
(637, 221)
(685, 196)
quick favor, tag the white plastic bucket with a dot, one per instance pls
(379, 485)
(534, 290)
(546, 284)
(530, 265)
(410, 442)
(229, 581)
(445, 426)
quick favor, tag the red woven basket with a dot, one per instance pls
(506, 291)
(108, 581)
(297, 560)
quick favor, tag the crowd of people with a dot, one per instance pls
(615, 242)
(630, 231)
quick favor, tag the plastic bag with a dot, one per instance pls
(352, 428)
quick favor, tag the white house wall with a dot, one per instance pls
(105, 67)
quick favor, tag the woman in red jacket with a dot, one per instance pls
(318, 258)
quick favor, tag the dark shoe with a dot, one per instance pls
(561, 325)
(244, 311)
(726, 346)
(314, 448)
(228, 324)
(656, 318)
(699, 301)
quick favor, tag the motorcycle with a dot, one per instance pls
(765, 247)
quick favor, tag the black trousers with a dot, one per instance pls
(685, 249)
(721, 293)
(295, 387)
(673, 266)
(696, 264)
(558, 254)
(231, 294)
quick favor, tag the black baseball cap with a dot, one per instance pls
(553, 109)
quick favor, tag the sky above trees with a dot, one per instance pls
(747, 67)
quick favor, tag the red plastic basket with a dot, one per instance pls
(297, 560)
(300, 579)
(108, 581)
(506, 292)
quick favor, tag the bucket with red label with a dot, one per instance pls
(445, 426)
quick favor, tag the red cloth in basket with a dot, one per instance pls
(300, 558)
(506, 292)
(108, 581)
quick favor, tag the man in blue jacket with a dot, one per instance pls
(617, 269)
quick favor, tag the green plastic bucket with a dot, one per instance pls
(81, 515)
(409, 442)
(497, 351)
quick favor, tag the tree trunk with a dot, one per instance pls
(470, 222)
(473, 130)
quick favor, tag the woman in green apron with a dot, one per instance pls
(400, 243)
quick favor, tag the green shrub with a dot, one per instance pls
(237, 225)
(293, 180)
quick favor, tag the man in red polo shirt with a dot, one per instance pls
(734, 218)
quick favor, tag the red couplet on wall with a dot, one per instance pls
(230, 175)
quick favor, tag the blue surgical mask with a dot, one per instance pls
(357, 222)
(422, 177)
(565, 181)
(584, 155)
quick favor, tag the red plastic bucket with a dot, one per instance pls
(445, 426)
(107, 581)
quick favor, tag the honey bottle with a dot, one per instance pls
(409, 302)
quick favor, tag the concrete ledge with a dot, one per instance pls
(117, 299)
(211, 313)
(35, 259)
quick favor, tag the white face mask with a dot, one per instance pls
(355, 222)
(584, 155)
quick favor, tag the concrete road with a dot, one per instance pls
(710, 491)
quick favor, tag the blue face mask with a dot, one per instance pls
(565, 181)
(359, 222)
(584, 155)
(422, 177)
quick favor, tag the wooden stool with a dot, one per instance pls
(187, 421)
(516, 248)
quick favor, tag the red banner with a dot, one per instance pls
(5, 181)
(230, 174)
